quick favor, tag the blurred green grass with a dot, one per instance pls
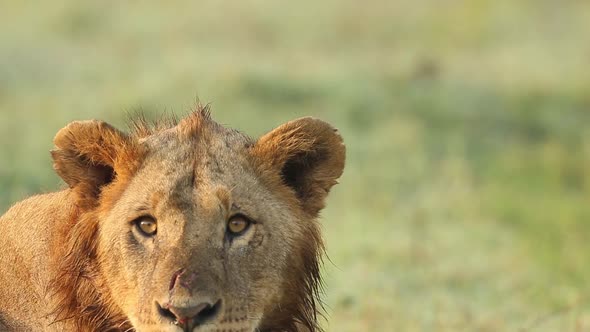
(464, 204)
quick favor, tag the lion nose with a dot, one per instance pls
(201, 312)
(191, 315)
(191, 299)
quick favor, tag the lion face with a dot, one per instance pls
(199, 228)
(193, 237)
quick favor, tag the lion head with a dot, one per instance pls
(190, 226)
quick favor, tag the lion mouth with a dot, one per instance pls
(204, 315)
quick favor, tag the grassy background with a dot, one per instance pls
(464, 204)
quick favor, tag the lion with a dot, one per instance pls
(174, 226)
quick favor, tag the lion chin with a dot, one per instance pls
(179, 225)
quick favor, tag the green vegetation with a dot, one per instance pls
(465, 202)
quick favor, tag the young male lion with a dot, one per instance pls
(187, 226)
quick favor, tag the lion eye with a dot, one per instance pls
(147, 225)
(238, 224)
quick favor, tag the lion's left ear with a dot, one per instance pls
(308, 154)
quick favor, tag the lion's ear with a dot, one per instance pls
(308, 154)
(88, 153)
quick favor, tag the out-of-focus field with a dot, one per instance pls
(465, 202)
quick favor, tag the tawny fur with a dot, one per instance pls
(70, 260)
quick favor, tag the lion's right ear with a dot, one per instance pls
(91, 153)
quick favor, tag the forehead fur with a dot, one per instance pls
(196, 125)
(193, 124)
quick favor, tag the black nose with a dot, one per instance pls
(189, 316)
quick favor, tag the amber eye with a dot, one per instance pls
(238, 224)
(147, 225)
